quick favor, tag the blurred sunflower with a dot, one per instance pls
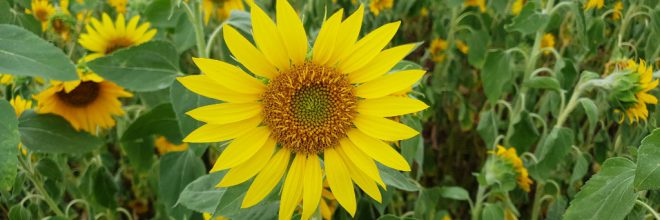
(222, 8)
(105, 37)
(61, 24)
(164, 146)
(511, 156)
(437, 49)
(632, 96)
(476, 3)
(41, 10)
(517, 6)
(119, 5)
(88, 103)
(6, 79)
(333, 104)
(462, 46)
(618, 7)
(548, 41)
(377, 6)
(594, 4)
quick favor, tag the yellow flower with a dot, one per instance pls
(103, 38)
(61, 26)
(618, 7)
(6, 79)
(208, 216)
(462, 46)
(477, 3)
(548, 41)
(222, 8)
(424, 12)
(119, 5)
(163, 146)
(437, 49)
(594, 4)
(446, 217)
(638, 111)
(88, 103)
(20, 105)
(517, 6)
(522, 175)
(332, 104)
(41, 10)
(377, 6)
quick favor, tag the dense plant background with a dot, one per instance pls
(514, 73)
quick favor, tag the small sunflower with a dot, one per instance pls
(119, 5)
(517, 6)
(41, 10)
(61, 24)
(462, 46)
(511, 156)
(548, 41)
(594, 4)
(437, 49)
(476, 3)
(222, 8)
(164, 146)
(20, 105)
(88, 103)
(377, 6)
(6, 79)
(331, 105)
(618, 7)
(641, 76)
(105, 37)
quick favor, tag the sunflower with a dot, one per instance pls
(476, 3)
(61, 24)
(511, 156)
(594, 4)
(462, 46)
(437, 49)
(119, 5)
(377, 6)
(88, 103)
(105, 37)
(6, 79)
(548, 41)
(331, 105)
(618, 7)
(164, 146)
(517, 6)
(222, 8)
(41, 10)
(642, 78)
(20, 105)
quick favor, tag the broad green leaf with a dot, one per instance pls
(397, 179)
(580, 169)
(455, 193)
(591, 110)
(524, 134)
(647, 174)
(5, 15)
(162, 13)
(413, 148)
(496, 75)
(543, 82)
(24, 54)
(50, 169)
(487, 128)
(478, 43)
(184, 32)
(140, 153)
(9, 138)
(607, 195)
(202, 196)
(529, 20)
(177, 170)
(406, 65)
(551, 152)
(492, 212)
(557, 209)
(159, 121)
(52, 134)
(18, 212)
(146, 67)
(105, 188)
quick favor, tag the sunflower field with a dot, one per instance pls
(330, 109)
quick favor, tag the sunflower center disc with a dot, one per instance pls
(309, 107)
(118, 43)
(41, 14)
(82, 95)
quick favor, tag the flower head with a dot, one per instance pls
(105, 37)
(20, 105)
(548, 41)
(41, 10)
(630, 94)
(377, 6)
(437, 49)
(511, 157)
(298, 109)
(594, 4)
(517, 6)
(6, 79)
(477, 3)
(119, 5)
(618, 7)
(222, 8)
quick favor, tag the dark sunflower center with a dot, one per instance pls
(82, 95)
(59, 26)
(118, 43)
(309, 107)
(41, 14)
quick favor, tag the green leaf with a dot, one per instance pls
(5, 15)
(529, 20)
(487, 127)
(551, 152)
(104, 188)
(397, 179)
(492, 212)
(580, 169)
(543, 82)
(524, 133)
(413, 148)
(647, 174)
(478, 43)
(394, 217)
(161, 13)
(455, 193)
(496, 74)
(24, 54)
(9, 138)
(607, 195)
(201, 195)
(161, 121)
(18, 212)
(406, 65)
(52, 134)
(140, 153)
(50, 169)
(183, 100)
(591, 110)
(146, 67)
(177, 170)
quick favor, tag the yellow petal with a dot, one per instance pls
(268, 39)
(267, 178)
(226, 112)
(388, 84)
(205, 86)
(241, 149)
(247, 54)
(378, 150)
(361, 160)
(380, 65)
(389, 106)
(325, 40)
(382, 128)
(230, 76)
(292, 190)
(291, 29)
(210, 133)
(247, 170)
(361, 179)
(339, 180)
(313, 186)
(350, 29)
(368, 47)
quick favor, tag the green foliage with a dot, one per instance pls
(52, 134)
(647, 174)
(8, 145)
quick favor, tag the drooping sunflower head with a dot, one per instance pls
(377, 6)
(87, 104)
(41, 10)
(517, 6)
(594, 4)
(548, 41)
(510, 156)
(333, 105)
(104, 37)
(630, 93)
(476, 3)
(164, 146)
(618, 7)
(437, 49)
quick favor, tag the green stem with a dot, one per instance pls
(536, 208)
(476, 210)
(196, 19)
(648, 207)
(40, 189)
